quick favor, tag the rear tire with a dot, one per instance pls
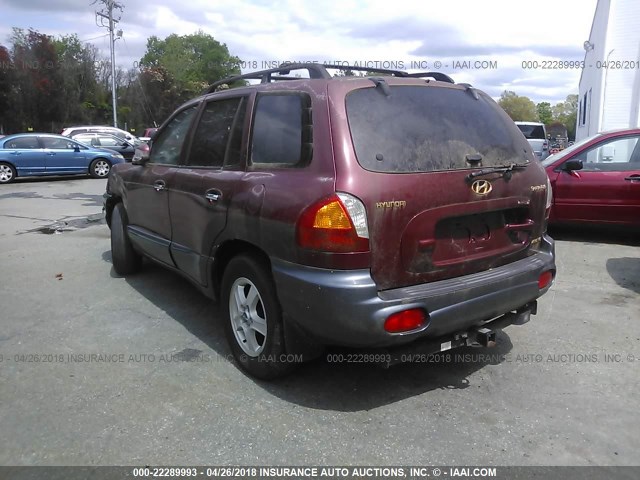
(124, 258)
(253, 319)
(100, 168)
(7, 173)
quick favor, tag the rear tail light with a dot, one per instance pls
(545, 279)
(405, 321)
(549, 200)
(334, 224)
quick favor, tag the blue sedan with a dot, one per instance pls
(31, 154)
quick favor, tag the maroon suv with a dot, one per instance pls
(400, 212)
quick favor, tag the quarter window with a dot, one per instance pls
(278, 130)
(168, 145)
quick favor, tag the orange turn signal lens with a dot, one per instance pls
(332, 216)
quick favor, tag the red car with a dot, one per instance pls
(597, 180)
(392, 213)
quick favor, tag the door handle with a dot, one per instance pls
(51, 154)
(160, 185)
(16, 153)
(213, 195)
(633, 178)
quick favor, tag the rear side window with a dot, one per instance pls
(219, 134)
(22, 142)
(110, 142)
(281, 130)
(532, 132)
(425, 129)
(86, 139)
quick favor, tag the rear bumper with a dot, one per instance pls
(344, 307)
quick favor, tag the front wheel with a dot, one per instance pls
(7, 173)
(253, 319)
(124, 258)
(99, 168)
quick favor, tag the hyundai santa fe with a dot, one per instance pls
(391, 213)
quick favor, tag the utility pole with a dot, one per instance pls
(105, 18)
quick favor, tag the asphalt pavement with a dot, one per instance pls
(101, 370)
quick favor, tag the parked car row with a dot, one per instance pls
(73, 131)
(93, 150)
(35, 154)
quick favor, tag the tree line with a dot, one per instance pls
(48, 83)
(563, 114)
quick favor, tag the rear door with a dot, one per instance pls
(203, 188)
(428, 220)
(607, 189)
(147, 188)
(25, 153)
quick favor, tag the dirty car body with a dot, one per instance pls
(383, 213)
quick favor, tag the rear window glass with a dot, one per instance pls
(532, 132)
(425, 129)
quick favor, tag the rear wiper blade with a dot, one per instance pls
(505, 170)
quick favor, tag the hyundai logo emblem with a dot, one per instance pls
(481, 187)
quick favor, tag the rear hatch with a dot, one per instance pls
(413, 148)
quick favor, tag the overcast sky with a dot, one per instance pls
(456, 33)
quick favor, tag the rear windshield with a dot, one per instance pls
(532, 132)
(426, 129)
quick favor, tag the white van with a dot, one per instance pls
(536, 135)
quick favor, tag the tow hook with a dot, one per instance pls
(523, 315)
(486, 337)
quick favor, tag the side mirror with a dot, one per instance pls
(572, 165)
(141, 155)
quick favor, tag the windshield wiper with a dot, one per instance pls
(505, 170)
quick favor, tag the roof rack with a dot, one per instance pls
(319, 70)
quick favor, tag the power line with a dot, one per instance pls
(94, 38)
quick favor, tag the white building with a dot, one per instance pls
(609, 96)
